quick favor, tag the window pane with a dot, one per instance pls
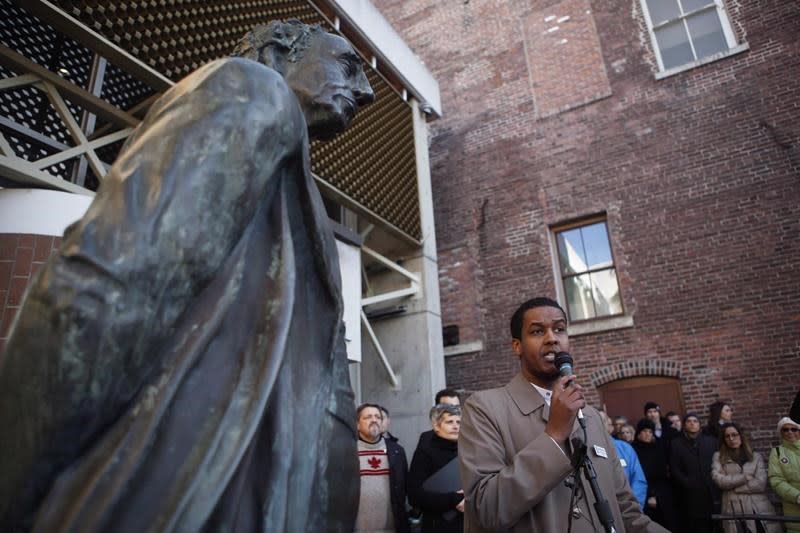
(570, 251)
(579, 297)
(706, 31)
(606, 292)
(691, 5)
(595, 242)
(674, 45)
(662, 10)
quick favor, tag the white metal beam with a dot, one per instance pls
(82, 148)
(379, 349)
(391, 264)
(21, 171)
(74, 128)
(5, 148)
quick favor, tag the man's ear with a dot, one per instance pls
(516, 347)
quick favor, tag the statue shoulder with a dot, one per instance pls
(237, 87)
(238, 78)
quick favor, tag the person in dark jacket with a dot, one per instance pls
(441, 511)
(690, 467)
(653, 458)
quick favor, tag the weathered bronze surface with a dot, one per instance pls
(179, 364)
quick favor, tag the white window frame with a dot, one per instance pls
(597, 324)
(727, 30)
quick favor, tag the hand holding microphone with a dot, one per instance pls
(566, 402)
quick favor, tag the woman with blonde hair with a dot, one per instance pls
(742, 476)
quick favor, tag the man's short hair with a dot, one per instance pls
(438, 412)
(670, 413)
(384, 411)
(277, 42)
(651, 405)
(450, 393)
(539, 301)
(364, 406)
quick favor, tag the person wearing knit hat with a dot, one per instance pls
(653, 458)
(690, 466)
(784, 470)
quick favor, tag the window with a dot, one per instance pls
(686, 31)
(588, 275)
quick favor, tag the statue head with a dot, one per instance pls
(321, 68)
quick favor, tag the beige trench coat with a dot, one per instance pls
(743, 490)
(514, 474)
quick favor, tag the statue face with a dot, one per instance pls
(330, 84)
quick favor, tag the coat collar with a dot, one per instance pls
(528, 400)
(526, 397)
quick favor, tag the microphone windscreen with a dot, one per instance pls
(563, 362)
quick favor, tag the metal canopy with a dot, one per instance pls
(370, 169)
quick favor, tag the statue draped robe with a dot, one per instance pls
(179, 364)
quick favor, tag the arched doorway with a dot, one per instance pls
(627, 396)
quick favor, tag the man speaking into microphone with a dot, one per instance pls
(516, 447)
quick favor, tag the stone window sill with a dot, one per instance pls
(461, 349)
(600, 325)
(710, 59)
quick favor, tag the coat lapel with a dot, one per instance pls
(526, 398)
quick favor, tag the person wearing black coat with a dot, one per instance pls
(690, 467)
(653, 458)
(441, 511)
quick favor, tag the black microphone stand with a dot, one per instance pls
(601, 506)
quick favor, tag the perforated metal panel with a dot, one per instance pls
(373, 163)
(30, 108)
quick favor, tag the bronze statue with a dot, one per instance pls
(179, 364)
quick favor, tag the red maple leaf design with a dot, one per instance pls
(374, 462)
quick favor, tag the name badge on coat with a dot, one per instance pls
(599, 451)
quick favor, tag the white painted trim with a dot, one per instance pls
(392, 50)
(600, 324)
(744, 47)
(727, 30)
(39, 211)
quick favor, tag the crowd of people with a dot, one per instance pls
(427, 495)
(519, 460)
(680, 471)
(694, 471)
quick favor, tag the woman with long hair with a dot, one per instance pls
(742, 476)
(718, 413)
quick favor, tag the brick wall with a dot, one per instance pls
(699, 174)
(21, 256)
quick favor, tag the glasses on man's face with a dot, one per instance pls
(789, 430)
(731, 436)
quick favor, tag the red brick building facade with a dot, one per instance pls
(558, 111)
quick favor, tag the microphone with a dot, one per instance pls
(563, 362)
